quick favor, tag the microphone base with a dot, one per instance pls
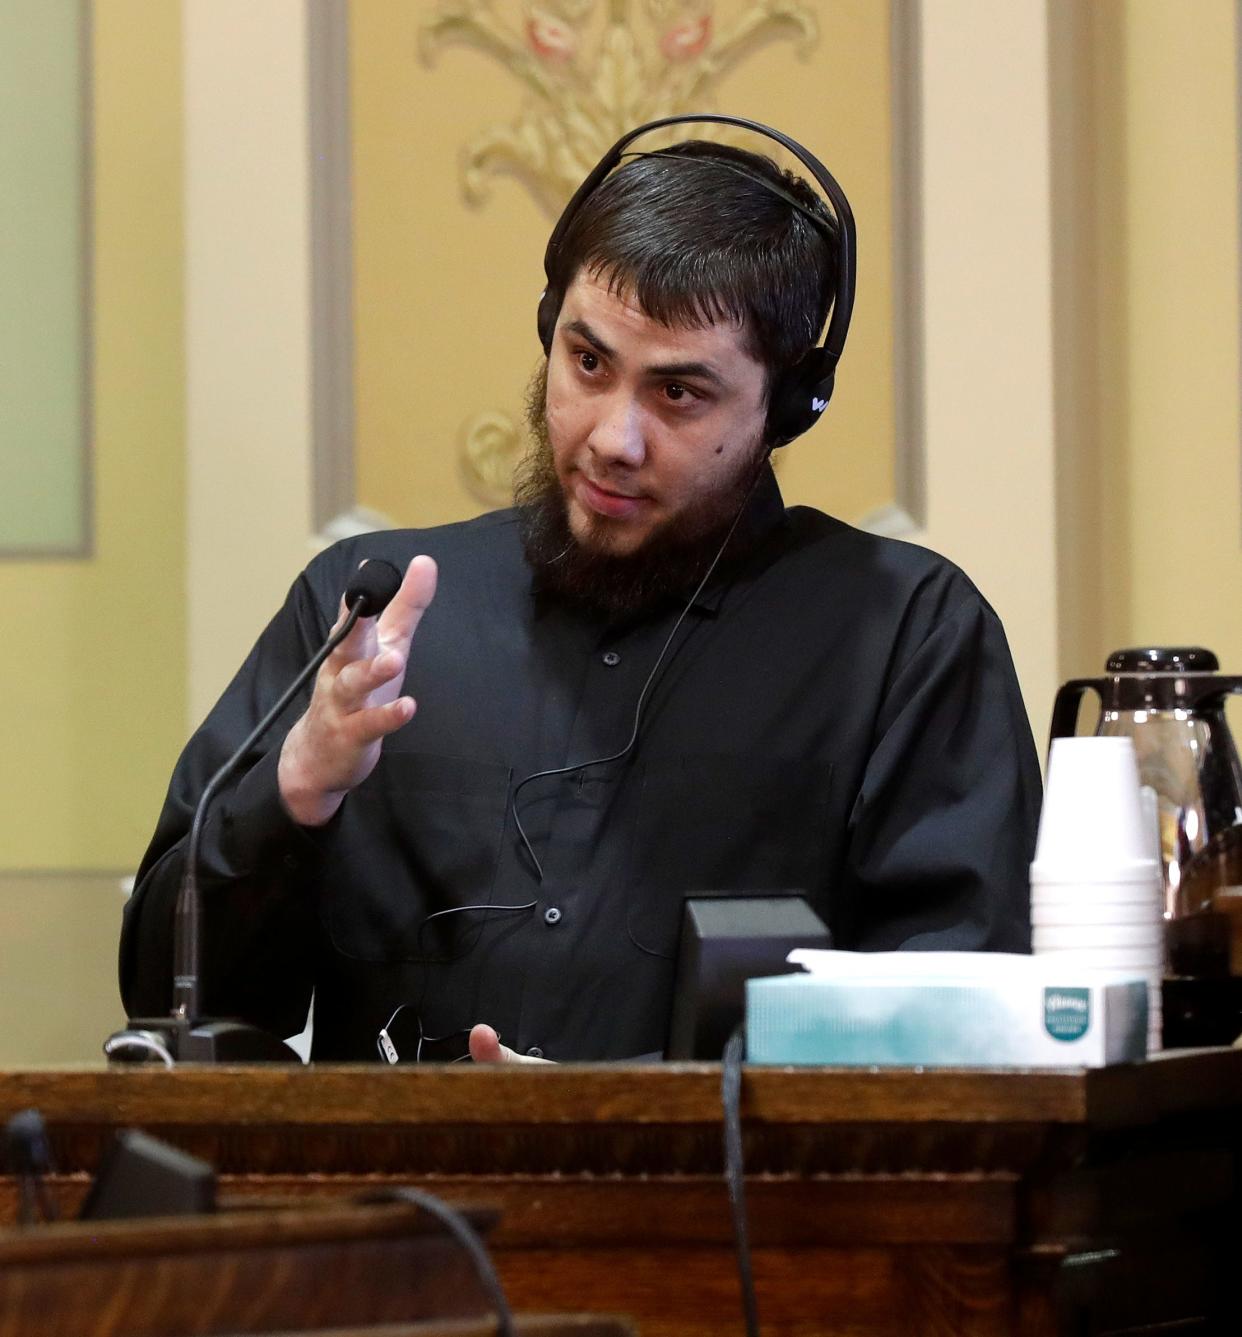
(173, 1040)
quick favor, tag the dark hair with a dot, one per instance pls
(702, 233)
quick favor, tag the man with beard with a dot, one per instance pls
(647, 679)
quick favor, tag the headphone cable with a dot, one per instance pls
(642, 696)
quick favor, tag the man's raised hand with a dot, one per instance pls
(356, 703)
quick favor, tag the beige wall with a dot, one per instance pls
(1146, 203)
(92, 674)
(93, 671)
(247, 336)
(59, 999)
(988, 334)
(1095, 310)
(1078, 304)
(1175, 409)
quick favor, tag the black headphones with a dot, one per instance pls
(802, 392)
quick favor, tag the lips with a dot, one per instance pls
(603, 501)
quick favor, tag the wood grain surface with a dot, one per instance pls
(880, 1202)
(382, 1270)
(638, 1095)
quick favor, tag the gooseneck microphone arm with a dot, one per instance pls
(179, 1035)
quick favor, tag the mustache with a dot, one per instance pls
(668, 564)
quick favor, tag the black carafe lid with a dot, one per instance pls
(1163, 659)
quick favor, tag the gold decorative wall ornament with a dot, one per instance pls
(492, 443)
(592, 70)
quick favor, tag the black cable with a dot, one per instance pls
(456, 910)
(28, 1156)
(383, 1041)
(731, 1097)
(426, 963)
(466, 1235)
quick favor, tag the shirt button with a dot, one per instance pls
(611, 658)
(534, 1052)
(551, 915)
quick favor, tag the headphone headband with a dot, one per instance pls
(843, 293)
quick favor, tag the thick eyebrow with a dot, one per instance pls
(688, 371)
(584, 331)
(703, 371)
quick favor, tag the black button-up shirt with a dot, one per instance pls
(837, 715)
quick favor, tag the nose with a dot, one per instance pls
(617, 436)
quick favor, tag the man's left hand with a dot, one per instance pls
(485, 1047)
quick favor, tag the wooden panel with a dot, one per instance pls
(386, 1271)
(585, 1211)
(560, 1212)
(526, 1325)
(880, 1202)
(687, 1292)
(636, 1097)
(251, 1273)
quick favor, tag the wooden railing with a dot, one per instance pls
(892, 1202)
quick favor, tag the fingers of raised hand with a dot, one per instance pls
(399, 621)
(372, 723)
(361, 643)
(338, 740)
(356, 681)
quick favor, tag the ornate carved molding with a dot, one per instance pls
(591, 69)
(491, 446)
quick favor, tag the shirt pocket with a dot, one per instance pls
(724, 824)
(423, 833)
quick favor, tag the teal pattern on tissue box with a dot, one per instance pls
(1020, 1022)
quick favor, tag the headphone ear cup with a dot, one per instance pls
(800, 396)
(549, 309)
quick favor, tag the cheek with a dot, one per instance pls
(562, 441)
(561, 415)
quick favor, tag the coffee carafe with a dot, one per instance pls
(1171, 702)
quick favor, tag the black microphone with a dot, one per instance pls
(372, 588)
(184, 1035)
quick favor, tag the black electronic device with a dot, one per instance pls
(184, 1035)
(725, 941)
(804, 390)
(141, 1176)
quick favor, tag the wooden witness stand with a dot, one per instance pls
(881, 1202)
(378, 1271)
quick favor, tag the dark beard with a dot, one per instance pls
(669, 564)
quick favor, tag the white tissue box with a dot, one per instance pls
(944, 1009)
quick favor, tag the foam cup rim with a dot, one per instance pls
(1110, 872)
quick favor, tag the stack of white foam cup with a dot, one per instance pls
(1095, 882)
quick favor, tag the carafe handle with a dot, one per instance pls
(1220, 688)
(1065, 707)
